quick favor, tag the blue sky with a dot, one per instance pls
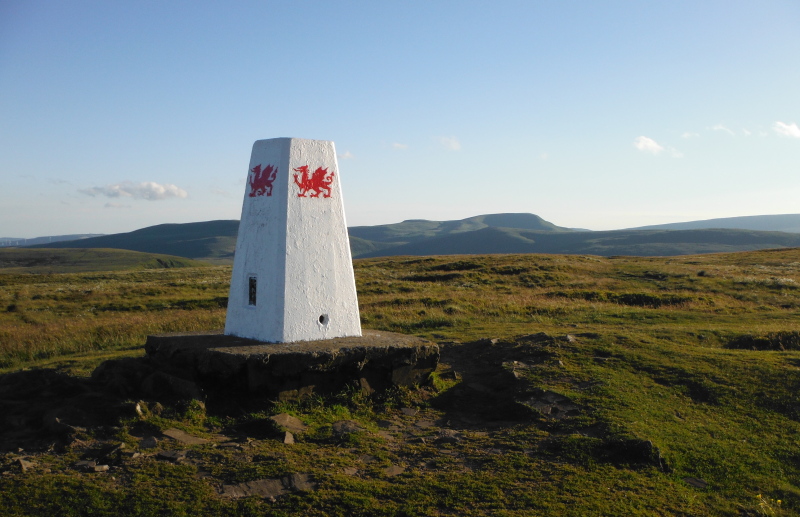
(601, 115)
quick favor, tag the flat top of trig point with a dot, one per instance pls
(219, 342)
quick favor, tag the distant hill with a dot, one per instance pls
(211, 241)
(617, 242)
(769, 223)
(28, 260)
(18, 241)
(414, 230)
(215, 241)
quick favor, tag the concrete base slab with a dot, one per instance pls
(376, 360)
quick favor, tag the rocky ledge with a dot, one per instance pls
(187, 365)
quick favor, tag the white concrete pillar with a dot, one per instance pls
(293, 273)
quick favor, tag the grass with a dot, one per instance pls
(678, 368)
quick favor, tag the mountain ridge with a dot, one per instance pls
(215, 241)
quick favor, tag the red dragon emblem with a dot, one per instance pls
(261, 180)
(318, 182)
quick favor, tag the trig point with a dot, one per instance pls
(293, 327)
(292, 271)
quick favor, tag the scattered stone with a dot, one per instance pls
(270, 488)
(230, 445)
(260, 487)
(448, 436)
(130, 454)
(350, 471)
(424, 424)
(385, 424)
(386, 435)
(91, 466)
(407, 411)
(343, 428)
(289, 423)
(302, 482)
(366, 458)
(288, 438)
(569, 338)
(696, 482)
(393, 470)
(25, 465)
(174, 456)
(184, 437)
(148, 442)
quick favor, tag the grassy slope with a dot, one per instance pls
(26, 260)
(649, 360)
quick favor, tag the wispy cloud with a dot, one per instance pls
(720, 127)
(346, 156)
(450, 143)
(116, 205)
(397, 145)
(690, 135)
(647, 145)
(148, 190)
(783, 129)
(745, 132)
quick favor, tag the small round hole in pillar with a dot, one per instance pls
(323, 319)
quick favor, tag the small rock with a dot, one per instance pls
(288, 438)
(25, 465)
(366, 458)
(344, 427)
(289, 423)
(385, 424)
(696, 482)
(407, 411)
(424, 424)
(570, 338)
(85, 465)
(184, 437)
(174, 456)
(393, 470)
(448, 436)
(100, 468)
(148, 442)
(269, 488)
(350, 471)
(302, 482)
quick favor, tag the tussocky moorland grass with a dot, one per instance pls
(693, 360)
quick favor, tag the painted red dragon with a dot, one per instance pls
(261, 180)
(314, 184)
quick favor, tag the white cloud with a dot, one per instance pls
(720, 127)
(450, 143)
(647, 145)
(790, 130)
(346, 156)
(116, 205)
(746, 132)
(397, 145)
(149, 190)
(690, 135)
